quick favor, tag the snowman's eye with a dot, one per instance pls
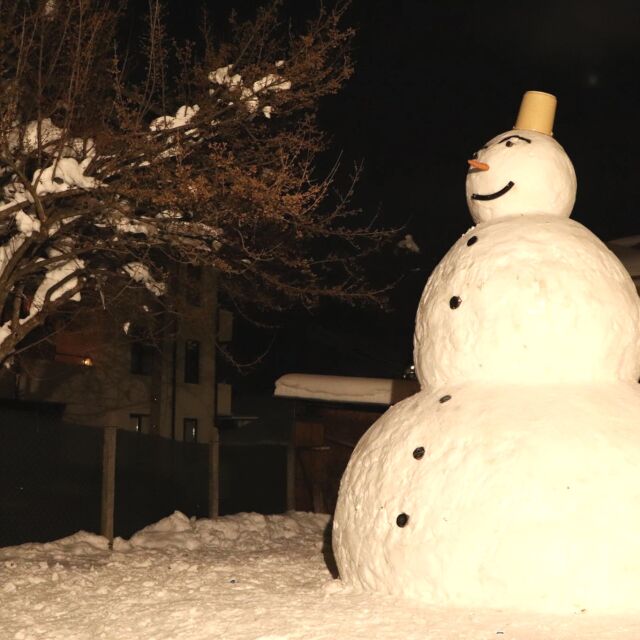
(509, 140)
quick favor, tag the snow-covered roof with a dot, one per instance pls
(384, 391)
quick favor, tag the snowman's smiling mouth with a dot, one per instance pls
(492, 196)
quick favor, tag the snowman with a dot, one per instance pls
(512, 479)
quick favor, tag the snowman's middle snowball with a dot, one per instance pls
(536, 299)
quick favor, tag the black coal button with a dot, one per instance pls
(402, 520)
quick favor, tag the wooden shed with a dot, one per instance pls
(329, 414)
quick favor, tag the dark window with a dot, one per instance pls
(141, 422)
(192, 361)
(190, 429)
(194, 285)
(141, 358)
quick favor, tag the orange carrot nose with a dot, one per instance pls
(476, 164)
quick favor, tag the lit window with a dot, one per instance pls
(190, 426)
(192, 361)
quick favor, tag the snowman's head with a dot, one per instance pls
(520, 172)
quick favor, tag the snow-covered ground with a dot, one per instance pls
(248, 577)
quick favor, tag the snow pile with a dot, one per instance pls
(251, 577)
(174, 531)
(243, 532)
(81, 543)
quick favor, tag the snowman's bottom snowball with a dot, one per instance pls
(526, 497)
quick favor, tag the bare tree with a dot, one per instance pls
(110, 174)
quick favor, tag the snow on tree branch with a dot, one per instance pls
(139, 272)
(108, 176)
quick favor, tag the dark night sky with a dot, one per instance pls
(435, 80)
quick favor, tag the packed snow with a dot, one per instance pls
(512, 480)
(540, 300)
(242, 577)
(512, 496)
(529, 169)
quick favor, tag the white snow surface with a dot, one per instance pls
(27, 224)
(63, 174)
(541, 300)
(27, 136)
(222, 76)
(242, 577)
(272, 82)
(543, 177)
(183, 116)
(513, 479)
(139, 272)
(309, 386)
(52, 285)
(526, 497)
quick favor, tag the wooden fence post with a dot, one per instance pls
(214, 473)
(108, 481)
(291, 477)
